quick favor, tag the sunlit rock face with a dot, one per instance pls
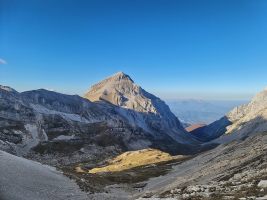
(240, 122)
(251, 117)
(121, 90)
(139, 107)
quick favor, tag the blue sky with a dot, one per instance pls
(175, 49)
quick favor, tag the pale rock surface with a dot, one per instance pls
(23, 179)
(262, 184)
(141, 107)
(242, 121)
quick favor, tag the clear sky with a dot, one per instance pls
(213, 49)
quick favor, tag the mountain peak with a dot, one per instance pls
(121, 90)
(137, 105)
(116, 89)
(120, 73)
(7, 89)
(120, 76)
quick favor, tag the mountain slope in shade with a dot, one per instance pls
(242, 121)
(47, 122)
(140, 107)
(23, 179)
(233, 169)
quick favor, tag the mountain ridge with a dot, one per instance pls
(41, 122)
(243, 120)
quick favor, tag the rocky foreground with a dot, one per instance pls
(234, 171)
(237, 170)
(22, 179)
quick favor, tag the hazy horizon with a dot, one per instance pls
(165, 95)
(174, 96)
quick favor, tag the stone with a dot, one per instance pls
(262, 184)
(261, 198)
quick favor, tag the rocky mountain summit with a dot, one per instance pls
(139, 107)
(121, 90)
(116, 116)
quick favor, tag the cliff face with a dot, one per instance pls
(121, 90)
(140, 107)
(242, 121)
(250, 118)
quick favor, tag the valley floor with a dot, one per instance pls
(231, 171)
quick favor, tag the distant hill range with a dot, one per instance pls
(192, 111)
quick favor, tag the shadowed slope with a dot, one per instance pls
(23, 179)
(241, 121)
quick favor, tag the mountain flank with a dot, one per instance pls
(116, 116)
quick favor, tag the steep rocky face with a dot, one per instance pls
(254, 112)
(258, 103)
(12, 106)
(69, 128)
(53, 123)
(121, 90)
(139, 107)
(242, 121)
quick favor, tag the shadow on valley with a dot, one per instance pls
(212, 131)
(132, 177)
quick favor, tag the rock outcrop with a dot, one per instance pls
(242, 121)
